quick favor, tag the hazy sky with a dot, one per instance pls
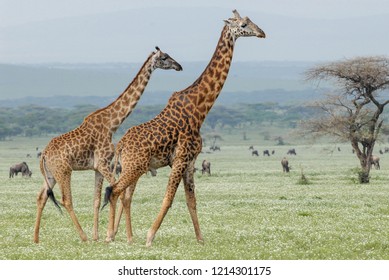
(20, 44)
(23, 11)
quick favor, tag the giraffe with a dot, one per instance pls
(173, 137)
(89, 146)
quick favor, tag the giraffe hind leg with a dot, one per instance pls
(64, 182)
(118, 217)
(124, 188)
(125, 206)
(41, 200)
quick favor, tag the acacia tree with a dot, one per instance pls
(352, 112)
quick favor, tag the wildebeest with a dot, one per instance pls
(20, 167)
(251, 148)
(291, 152)
(285, 165)
(206, 167)
(254, 153)
(266, 153)
(214, 148)
(375, 160)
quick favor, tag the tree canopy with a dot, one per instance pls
(353, 111)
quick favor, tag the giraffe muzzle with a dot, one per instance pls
(177, 67)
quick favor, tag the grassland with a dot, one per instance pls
(248, 209)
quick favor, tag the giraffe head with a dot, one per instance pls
(243, 27)
(164, 61)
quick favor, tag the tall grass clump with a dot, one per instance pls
(303, 179)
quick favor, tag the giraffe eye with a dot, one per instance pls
(243, 25)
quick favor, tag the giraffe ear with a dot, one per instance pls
(226, 21)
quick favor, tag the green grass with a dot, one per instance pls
(248, 209)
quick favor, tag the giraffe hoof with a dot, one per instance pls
(200, 241)
(109, 239)
(150, 238)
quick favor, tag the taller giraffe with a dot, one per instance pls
(173, 137)
(89, 146)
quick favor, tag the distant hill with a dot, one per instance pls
(68, 85)
(280, 96)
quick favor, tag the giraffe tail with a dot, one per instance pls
(107, 195)
(109, 189)
(50, 194)
(49, 190)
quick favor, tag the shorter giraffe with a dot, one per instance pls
(89, 146)
(173, 136)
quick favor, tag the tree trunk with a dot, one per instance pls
(364, 157)
(364, 176)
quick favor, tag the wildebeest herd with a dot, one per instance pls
(284, 161)
(375, 160)
(24, 169)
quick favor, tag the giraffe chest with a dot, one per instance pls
(166, 152)
(163, 154)
(158, 162)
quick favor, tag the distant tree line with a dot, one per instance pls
(30, 121)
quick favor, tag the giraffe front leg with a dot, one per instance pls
(103, 168)
(167, 201)
(174, 181)
(96, 204)
(113, 197)
(191, 201)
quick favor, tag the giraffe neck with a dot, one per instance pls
(115, 113)
(204, 91)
